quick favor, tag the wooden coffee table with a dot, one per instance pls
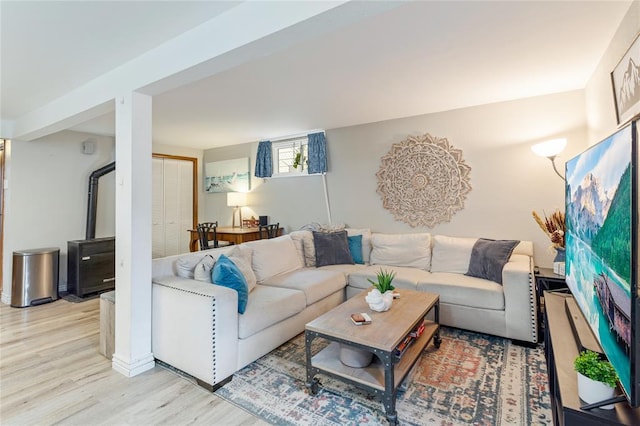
(386, 331)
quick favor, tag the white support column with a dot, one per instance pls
(133, 235)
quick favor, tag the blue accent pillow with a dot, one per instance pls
(227, 274)
(355, 247)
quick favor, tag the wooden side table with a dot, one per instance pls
(546, 280)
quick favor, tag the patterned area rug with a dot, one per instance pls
(471, 379)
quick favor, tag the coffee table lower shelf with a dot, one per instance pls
(383, 376)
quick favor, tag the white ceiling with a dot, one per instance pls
(416, 58)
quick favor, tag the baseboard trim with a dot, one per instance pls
(133, 369)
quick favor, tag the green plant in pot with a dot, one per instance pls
(597, 378)
(297, 160)
(381, 297)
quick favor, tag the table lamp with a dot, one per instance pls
(237, 200)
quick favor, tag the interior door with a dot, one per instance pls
(157, 208)
(171, 180)
(174, 204)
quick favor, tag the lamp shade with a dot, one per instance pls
(549, 148)
(236, 199)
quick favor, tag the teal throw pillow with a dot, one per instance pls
(227, 274)
(355, 247)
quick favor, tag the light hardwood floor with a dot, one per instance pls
(51, 372)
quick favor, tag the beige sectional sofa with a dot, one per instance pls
(196, 326)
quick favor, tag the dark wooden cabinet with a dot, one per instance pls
(91, 266)
(560, 351)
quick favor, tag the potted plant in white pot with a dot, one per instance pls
(597, 378)
(381, 297)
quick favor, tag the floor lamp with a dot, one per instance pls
(551, 149)
(237, 200)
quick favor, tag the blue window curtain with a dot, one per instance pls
(264, 163)
(317, 153)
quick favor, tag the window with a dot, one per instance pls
(290, 156)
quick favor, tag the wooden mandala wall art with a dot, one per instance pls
(423, 180)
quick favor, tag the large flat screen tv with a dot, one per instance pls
(602, 249)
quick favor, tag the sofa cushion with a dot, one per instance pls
(458, 289)
(242, 256)
(202, 271)
(226, 273)
(412, 250)
(355, 248)
(345, 269)
(274, 256)
(186, 265)
(332, 248)
(183, 265)
(315, 283)
(404, 277)
(488, 257)
(298, 238)
(267, 306)
(525, 248)
(451, 254)
(366, 241)
(304, 242)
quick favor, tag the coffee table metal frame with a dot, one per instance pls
(384, 375)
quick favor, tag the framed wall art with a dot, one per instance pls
(625, 79)
(227, 175)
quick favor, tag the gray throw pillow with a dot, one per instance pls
(332, 248)
(488, 258)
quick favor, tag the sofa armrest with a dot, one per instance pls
(520, 299)
(195, 327)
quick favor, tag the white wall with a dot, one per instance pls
(601, 110)
(46, 201)
(508, 180)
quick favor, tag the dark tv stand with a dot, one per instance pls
(560, 351)
(584, 338)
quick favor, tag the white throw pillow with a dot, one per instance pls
(412, 250)
(451, 254)
(366, 241)
(202, 271)
(186, 265)
(242, 256)
(274, 256)
(304, 244)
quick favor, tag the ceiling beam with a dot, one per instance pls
(240, 35)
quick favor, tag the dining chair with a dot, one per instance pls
(269, 231)
(205, 231)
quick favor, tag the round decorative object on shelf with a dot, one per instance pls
(354, 357)
(423, 180)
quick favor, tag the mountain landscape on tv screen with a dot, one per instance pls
(603, 220)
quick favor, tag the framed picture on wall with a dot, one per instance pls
(227, 175)
(625, 78)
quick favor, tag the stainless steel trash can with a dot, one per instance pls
(35, 277)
